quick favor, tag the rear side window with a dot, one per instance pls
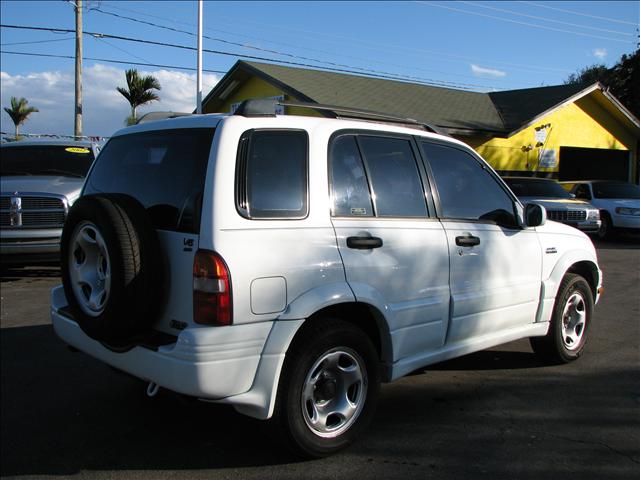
(349, 186)
(394, 176)
(164, 170)
(271, 175)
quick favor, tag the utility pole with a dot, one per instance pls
(199, 75)
(77, 130)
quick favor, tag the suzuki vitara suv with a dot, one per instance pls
(289, 265)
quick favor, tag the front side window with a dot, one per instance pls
(271, 180)
(582, 191)
(467, 191)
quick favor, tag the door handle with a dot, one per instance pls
(467, 241)
(364, 243)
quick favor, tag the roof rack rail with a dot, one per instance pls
(153, 116)
(266, 107)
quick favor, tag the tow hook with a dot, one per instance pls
(152, 389)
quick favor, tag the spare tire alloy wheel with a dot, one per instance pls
(89, 269)
(111, 268)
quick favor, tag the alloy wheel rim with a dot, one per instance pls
(334, 392)
(574, 321)
(89, 269)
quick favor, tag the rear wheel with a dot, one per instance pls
(328, 389)
(570, 322)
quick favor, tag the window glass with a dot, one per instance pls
(70, 161)
(536, 187)
(163, 170)
(466, 189)
(582, 191)
(349, 187)
(276, 174)
(395, 180)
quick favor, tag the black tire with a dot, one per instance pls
(291, 420)
(570, 322)
(111, 268)
(606, 230)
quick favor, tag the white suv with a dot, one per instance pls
(288, 265)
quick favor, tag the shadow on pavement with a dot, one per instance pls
(11, 273)
(621, 242)
(65, 414)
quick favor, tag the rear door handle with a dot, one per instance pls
(467, 241)
(364, 243)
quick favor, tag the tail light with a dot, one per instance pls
(211, 289)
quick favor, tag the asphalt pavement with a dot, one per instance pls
(495, 414)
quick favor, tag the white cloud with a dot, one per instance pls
(486, 72)
(104, 109)
(600, 53)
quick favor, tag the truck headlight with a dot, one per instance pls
(593, 214)
(628, 211)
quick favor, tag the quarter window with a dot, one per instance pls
(466, 189)
(272, 174)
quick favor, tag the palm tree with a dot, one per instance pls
(138, 92)
(19, 112)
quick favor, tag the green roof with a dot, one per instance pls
(497, 112)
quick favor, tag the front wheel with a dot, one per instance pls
(570, 322)
(328, 389)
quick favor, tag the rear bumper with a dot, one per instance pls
(208, 362)
(239, 365)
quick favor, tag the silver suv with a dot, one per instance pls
(289, 265)
(40, 180)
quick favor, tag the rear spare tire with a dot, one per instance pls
(111, 267)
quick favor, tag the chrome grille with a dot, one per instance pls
(567, 215)
(32, 211)
(35, 203)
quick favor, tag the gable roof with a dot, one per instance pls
(459, 111)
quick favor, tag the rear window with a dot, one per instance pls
(164, 170)
(64, 160)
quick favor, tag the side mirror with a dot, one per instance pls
(534, 215)
(572, 195)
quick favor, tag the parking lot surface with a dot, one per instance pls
(494, 414)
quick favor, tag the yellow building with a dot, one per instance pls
(568, 132)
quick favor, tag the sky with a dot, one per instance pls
(474, 45)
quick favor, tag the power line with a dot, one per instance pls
(414, 67)
(276, 52)
(370, 45)
(253, 57)
(511, 12)
(573, 12)
(534, 25)
(38, 41)
(106, 60)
